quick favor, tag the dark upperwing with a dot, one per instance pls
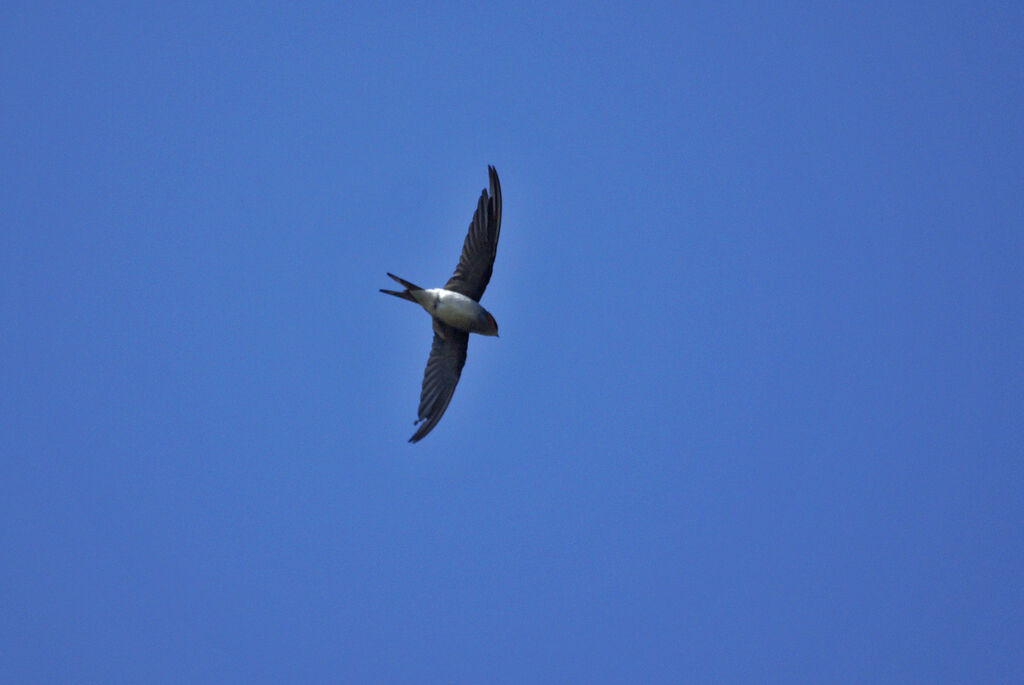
(477, 260)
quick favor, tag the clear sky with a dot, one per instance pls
(756, 410)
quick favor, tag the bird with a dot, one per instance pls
(455, 309)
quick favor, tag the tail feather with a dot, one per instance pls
(405, 284)
(404, 294)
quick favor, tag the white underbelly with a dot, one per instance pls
(455, 309)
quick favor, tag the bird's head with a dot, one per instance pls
(488, 326)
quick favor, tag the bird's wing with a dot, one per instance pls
(477, 260)
(447, 356)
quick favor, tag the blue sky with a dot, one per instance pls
(756, 410)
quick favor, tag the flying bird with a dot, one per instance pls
(455, 309)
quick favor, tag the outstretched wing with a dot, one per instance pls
(447, 357)
(477, 260)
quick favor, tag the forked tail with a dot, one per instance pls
(405, 295)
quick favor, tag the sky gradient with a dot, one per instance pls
(756, 410)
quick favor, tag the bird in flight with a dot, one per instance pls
(455, 309)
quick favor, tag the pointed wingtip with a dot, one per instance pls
(495, 186)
